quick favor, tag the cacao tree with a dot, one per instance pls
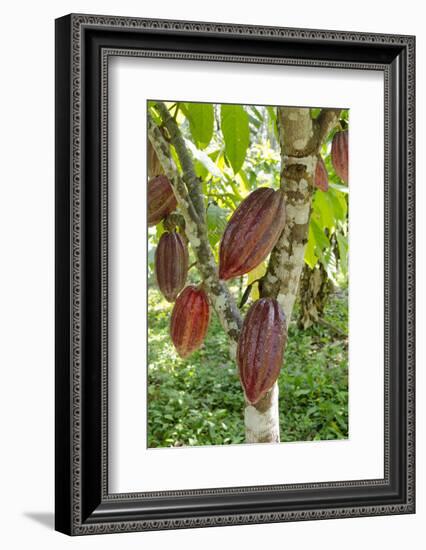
(236, 226)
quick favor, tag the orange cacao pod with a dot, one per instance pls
(171, 264)
(261, 348)
(339, 154)
(190, 320)
(321, 175)
(161, 199)
(252, 232)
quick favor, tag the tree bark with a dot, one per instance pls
(314, 290)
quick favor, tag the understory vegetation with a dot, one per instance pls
(198, 401)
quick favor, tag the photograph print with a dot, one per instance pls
(248, 280)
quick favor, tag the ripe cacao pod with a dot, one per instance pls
(339, 154)
(261, 348)
(190, 320)
(161, 199)
(321, 175)
(252, 232)
(171, 264)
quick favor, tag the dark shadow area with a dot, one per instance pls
(44, 518)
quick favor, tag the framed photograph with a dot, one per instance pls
(234, 274)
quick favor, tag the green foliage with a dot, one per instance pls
(198, 401)
(201, 122)
(251, 143)
(328, 230)
(272, 113)
(245, 155)
(234, 123)
(216, 222)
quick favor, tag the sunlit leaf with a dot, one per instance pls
(152, 111)
(323, 206)
(201, 122)
(343, 203)
(272, 112)
(200, 170)
(159, 230)
(329, 262)
(339, 187)
(343, 245)
(236, 133)
(257, 273)
(320, 237)
(310, 258)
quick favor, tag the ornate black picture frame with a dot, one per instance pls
(84, 44)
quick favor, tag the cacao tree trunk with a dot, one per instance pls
(300, 141)
(314, 290)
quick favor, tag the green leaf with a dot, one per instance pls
(342, 209)
(201, 170)
(201, 122)
(323, 206)
(310, 257)
(156, 117)
(257, 113)
(216, 222)
(272, 112)
(236, 133)
(159, 229)
(320, 238)
(339, 205)
(339, 187)
(328, 260)
(342, 242)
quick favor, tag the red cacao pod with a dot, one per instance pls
(252, 232)
(321, 175)
(190, 320)
(161, 199)
(261, 348)
(171, 264)
(340, 154)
